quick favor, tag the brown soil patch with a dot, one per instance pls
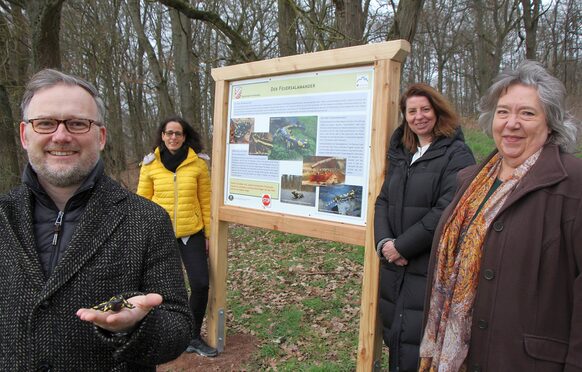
(238, 351)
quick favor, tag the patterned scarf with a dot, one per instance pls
(447, 335)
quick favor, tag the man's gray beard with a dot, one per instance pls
(66, 178)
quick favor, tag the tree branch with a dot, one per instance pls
(240, 45)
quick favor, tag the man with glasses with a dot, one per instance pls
(85, 283)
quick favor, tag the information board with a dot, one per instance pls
(300, 144)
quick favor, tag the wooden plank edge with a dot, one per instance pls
(340, 232)
(359, 55)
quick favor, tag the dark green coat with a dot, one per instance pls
(122, 244)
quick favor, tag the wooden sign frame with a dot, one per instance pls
(386, 59)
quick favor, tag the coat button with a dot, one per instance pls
(489, 274)
(498, 226)
(45, 305)
(475, 368)
(44, 367)
(482, 324)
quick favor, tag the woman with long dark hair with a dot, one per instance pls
(175, 177)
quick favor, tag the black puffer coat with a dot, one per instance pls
(408, 209)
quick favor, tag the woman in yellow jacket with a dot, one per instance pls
(177, 179)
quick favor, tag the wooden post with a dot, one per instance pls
(217, 260)
(385, 119)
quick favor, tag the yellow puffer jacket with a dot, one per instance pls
(185, 195)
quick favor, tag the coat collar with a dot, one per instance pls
(547, 171)
(30, 179)
(189, 159)
(438, 146)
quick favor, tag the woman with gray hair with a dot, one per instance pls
(505, 285)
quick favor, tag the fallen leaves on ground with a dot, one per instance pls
(299, 296)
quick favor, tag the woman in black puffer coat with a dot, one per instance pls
(426, 152)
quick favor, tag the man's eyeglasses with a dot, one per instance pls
(169, 133)
(75, 126)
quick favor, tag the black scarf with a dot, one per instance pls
(173, 161)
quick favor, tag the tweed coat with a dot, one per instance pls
(527, 314)
(122, 244)
(408, 208)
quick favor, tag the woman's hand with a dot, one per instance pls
(401, 261)
(391, 254)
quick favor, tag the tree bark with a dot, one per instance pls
(531, 14)
(45, 24)
(116, 150)
(405, 20)
(184, 68)
(9, 168)
(166, 106)
(493, 21)
(287, 33)
(349, 22)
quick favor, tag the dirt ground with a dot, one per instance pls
(239, 348)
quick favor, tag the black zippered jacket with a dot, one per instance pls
(53, 237)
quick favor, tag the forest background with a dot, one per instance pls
(298, 298)
(150, 59)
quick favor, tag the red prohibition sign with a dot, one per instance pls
(266, 200)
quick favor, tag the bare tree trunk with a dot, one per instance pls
(45, 23)
(485, 58)
(141, 127)
(187, 72)
(166, 106)
(115, 154)
(20, 55)
(287, 34)
(531, 14)
(493, 21)
(138, 132)
(349, 16)
(9, 170)
(405, 20)
(206, 93)
(182, 40)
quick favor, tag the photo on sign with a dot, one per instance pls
(323, 170)
(293, 137)
(341, 199)
(293, 192)
(261, 143)
(241, 129)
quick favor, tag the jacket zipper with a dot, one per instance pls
(175, 203)
(57, 230)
